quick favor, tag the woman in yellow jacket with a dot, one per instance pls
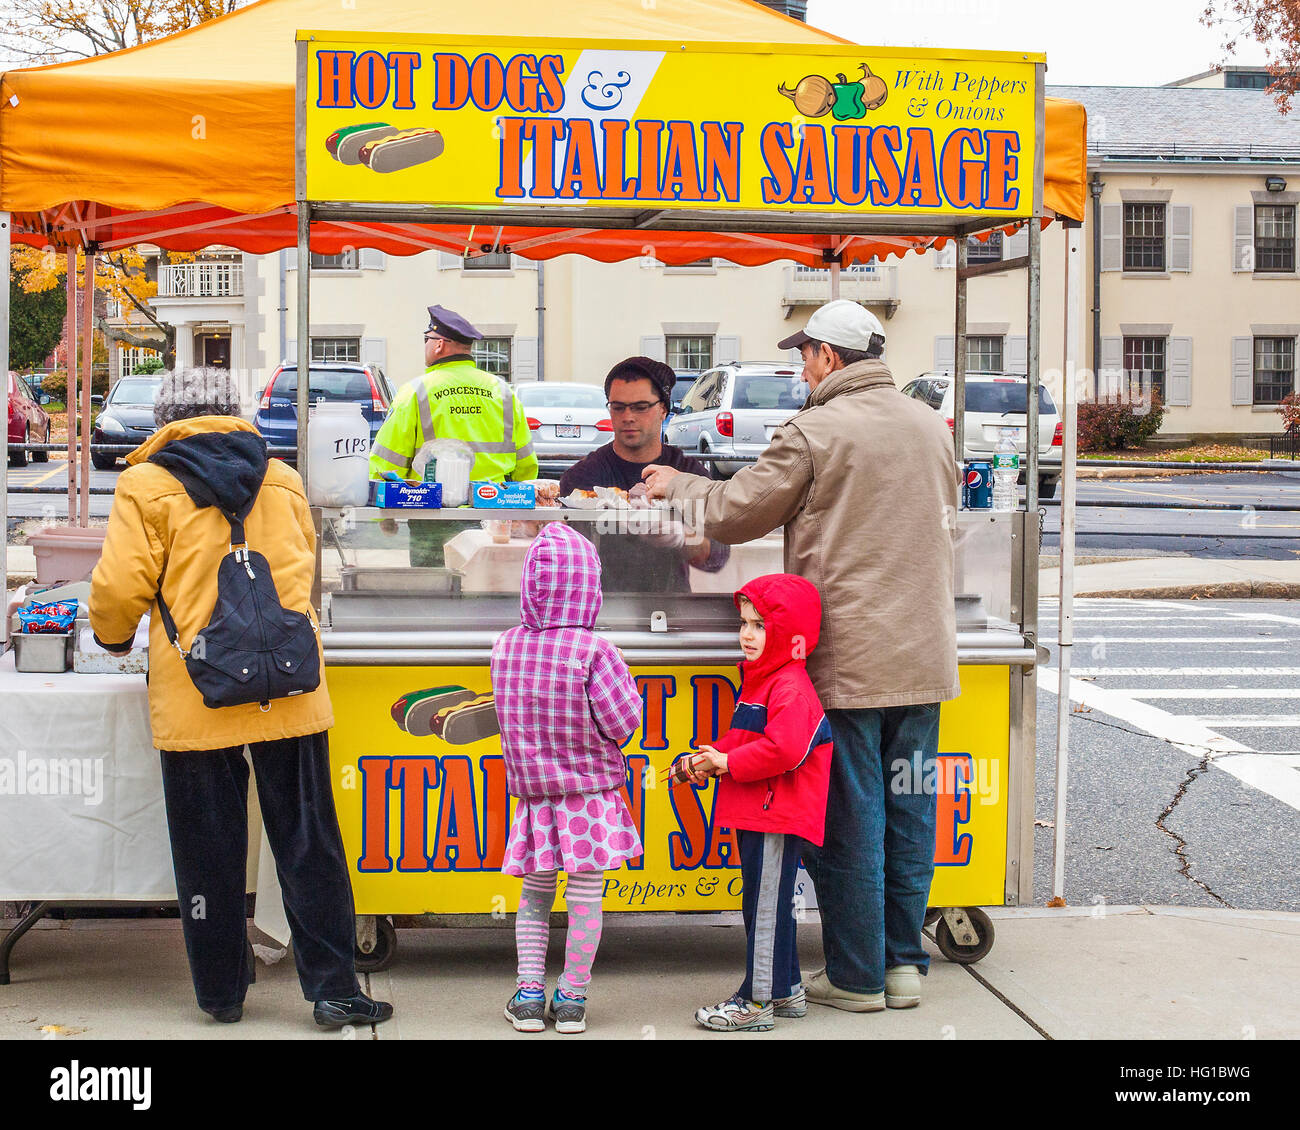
(166, 533)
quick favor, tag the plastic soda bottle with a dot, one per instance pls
(1006, 470)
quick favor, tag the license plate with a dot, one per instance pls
(568, 431)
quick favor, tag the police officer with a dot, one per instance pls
(455, 399)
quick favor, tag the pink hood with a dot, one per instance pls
(561, 581)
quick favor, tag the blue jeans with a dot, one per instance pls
(873, 873)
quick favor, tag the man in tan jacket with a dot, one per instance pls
(167, 535)
(865, 483)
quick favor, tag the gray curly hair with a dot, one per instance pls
(195, 392)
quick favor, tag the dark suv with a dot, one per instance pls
(364, 384)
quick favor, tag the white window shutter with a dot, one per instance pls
(946, 257)
(727, 349)
(1243, 238)
(1112, 237)
(1017, 355)
(1110, 373)
(519, 263)
(1178, 380)
(290, 351)
(523, 359)
(1016, 245)
(290, 258)
(945, 354)
(1243, 370)
(372, 260)
(1180, 237)
(449, 262)
(656, 348)
(374, 351)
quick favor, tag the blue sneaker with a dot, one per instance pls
(525, 1011)
(569, 1013)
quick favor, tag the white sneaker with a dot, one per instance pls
(736, 1014)
(903, 986)
(795, 1005)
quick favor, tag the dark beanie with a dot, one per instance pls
(656, 372)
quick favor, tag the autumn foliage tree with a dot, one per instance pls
(1275, 26)
(48, 31)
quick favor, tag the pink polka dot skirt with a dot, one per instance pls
(582, 832)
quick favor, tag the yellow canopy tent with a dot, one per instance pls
(188, 141)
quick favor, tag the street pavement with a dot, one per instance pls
(1244, 532)
(1184, 783)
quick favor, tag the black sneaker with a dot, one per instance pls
(525, 1012)
(569, 1013)
(351, 1010)
(231, 1015)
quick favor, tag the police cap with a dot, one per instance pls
(447, 323)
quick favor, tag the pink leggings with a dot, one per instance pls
(532, 928)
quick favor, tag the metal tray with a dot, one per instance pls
(43, 652)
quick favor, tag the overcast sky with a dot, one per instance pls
(1105, 43)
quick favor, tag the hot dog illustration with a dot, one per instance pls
(396, 151)
(405, 707)
(467, 722)
(345, 144)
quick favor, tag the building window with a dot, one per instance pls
(1144, 237)
(986, 251)
(696, 265)
(1274, 369)
(983, 354)
(1275, 237)
(344, 261)
(492, 261)
(694, 353)
(129, 356)
(1144, 360)
(1247, 80)
(326, 349)
(492, 355)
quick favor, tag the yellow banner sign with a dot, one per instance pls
(420, 788)
(499, 122)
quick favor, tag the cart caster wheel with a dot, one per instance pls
(932, 915)
(965, 954)
(381, 957)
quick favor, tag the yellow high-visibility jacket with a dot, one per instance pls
(457, 400)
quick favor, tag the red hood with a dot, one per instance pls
(792, 616)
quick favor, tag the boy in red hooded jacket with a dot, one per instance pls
(773, 770)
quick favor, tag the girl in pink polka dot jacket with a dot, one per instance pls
(567, 704)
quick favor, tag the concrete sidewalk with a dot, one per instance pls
(1147, 973)
(1180, 578)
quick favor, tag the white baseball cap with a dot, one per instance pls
(843, 323)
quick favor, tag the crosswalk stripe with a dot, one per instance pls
(1237, 721)
(1215, 692)
(1225, 672)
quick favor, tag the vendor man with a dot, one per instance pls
(455, 399)
(865, 483)
(638, 391)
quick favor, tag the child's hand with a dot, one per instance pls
(709, 762)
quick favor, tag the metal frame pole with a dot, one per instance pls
(5, 236)
(304, 336)
(835, 279)
(70, 391)
(87, 375)
(959, 353)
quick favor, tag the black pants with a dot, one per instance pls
(207, 817)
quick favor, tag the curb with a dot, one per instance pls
(1219, 590)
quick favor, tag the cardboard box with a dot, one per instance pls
(502, 496)
(407, 495)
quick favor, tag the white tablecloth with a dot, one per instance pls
(81, 803)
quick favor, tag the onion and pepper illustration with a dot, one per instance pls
(815, 97)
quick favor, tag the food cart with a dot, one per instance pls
(747, 150)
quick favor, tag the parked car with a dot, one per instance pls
(995, 401)
(28, 422)
(734, 409)
(686, 379)
(568, 420)
(364, 384)
(125, 418)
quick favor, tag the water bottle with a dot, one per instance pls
(1006, 470)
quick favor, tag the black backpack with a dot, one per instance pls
(253, 648)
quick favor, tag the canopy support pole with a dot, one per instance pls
(87, 372)
(835, 279)
(5, 233)
(70, 392)
(304, 334)
(1065, 632)
(959, 357)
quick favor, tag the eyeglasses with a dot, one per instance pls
(638, 407)
(434, 337)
